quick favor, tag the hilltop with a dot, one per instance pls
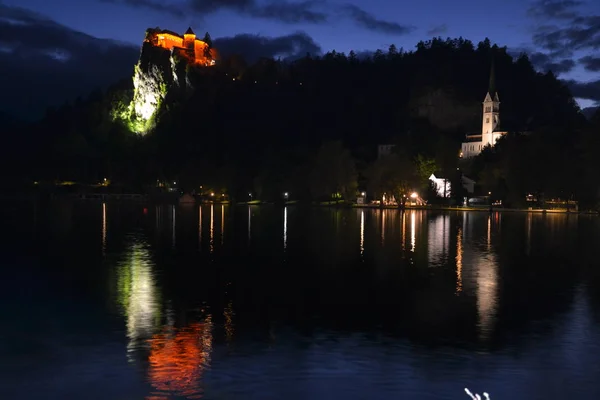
(238, 126)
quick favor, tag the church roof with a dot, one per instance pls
(189, 31)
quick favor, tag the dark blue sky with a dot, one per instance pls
(560, 35)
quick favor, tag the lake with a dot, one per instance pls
(131, 301)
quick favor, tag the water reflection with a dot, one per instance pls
(222, 223)
(479, 268)
(200, 228)
(138, 294)
(249, 223)
(459, 256)
(212, 228)
(417, 335)
(413, 228)
(362, 232)
(285, 227)
(103, 228)
(228, 315)
(173, 241)
(178, 358)
(438, 239)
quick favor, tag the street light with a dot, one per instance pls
(212, 194)
(364, 194)
(286, 194)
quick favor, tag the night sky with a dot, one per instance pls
(563, 36)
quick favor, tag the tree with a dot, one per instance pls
(333, 172)
(425, 167)
(392, 175)
(209, 44)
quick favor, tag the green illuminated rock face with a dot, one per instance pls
(155, 74)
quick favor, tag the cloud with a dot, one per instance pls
(152, 5)
(545, 62)
(280, 10)
(554, 9)
(370, 22)
(591, 63)
(438, 30)
(46, 63)
(564, 29)
(291, 12)
(253, 47)
(585, 90)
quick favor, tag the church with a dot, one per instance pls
(490, 133)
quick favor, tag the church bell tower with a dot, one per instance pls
(491, 111)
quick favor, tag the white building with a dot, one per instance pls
(444, 189)
(489, 126)
(442, 186)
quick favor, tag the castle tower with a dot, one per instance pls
(491, 111)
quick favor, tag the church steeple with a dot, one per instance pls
(491, 107)
(492, 84)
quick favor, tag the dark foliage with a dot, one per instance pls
(259, 127)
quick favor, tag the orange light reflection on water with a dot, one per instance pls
(178, 359)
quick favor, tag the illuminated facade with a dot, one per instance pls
(194, 50)
(489, 124)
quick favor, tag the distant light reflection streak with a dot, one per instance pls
(362, 232)
(382, 227)
(285, 227)
(103, 228)
(412, 231)
(173, 224)
(403, 230)
(212, 228)
(459, 261)
(222, 222)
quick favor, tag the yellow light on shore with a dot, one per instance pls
(414, 195)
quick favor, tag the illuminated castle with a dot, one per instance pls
(187, 46)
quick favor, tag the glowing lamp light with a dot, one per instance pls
(364, 194)
(212, 193)
(414, 195)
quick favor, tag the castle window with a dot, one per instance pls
(487, 120)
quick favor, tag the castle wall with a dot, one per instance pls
(192, 49)
(169, 41)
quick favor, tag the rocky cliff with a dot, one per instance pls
(158, 76)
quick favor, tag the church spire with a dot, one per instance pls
(492, 84)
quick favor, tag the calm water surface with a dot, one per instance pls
(115, 301)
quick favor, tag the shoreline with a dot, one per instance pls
(137, 198)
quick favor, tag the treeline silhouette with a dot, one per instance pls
(311, 128)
